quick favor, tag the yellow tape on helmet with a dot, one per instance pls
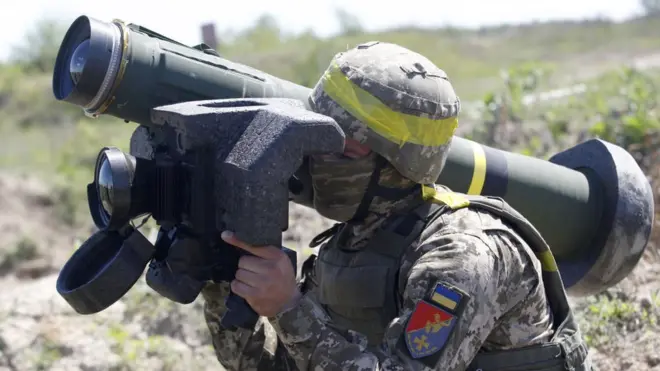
(395, 126)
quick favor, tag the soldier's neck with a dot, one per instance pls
(359, 234)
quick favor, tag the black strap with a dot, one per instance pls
(411, 227)
(374, 189)
(363, 209)
(545, 357)
(325, 235)
(307, 280)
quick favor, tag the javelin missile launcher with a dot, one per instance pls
(206, 131)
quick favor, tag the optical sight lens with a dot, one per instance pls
(106, 186)
(120, 189)
(78, 61)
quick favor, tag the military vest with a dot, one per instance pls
(359, 289)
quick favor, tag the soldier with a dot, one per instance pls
(414, 277)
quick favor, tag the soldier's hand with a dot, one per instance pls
(266, 279)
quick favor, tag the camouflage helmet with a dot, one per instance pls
(395, 101)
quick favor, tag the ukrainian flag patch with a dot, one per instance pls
(448, 296)
(432, 323)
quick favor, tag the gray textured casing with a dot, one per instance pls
(256, 145)
(626, 222)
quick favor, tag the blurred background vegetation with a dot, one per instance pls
(499, 72)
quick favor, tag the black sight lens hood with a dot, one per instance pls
(122, 172)
(101, 68)
(103, 269)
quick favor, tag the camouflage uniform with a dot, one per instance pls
(467, 267)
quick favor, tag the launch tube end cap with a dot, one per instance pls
(626, 222)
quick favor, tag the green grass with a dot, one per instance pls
(605, 320)
(472, 58)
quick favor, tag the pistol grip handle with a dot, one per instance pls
(239, 312)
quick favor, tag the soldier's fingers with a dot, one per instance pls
(254, 264)
(249, 278)
(243, 290)
(266, 252)
(231, 239)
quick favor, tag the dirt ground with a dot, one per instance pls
(38, 331)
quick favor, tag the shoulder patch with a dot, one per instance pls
(428, 329)
(432, 322)
(448, 297)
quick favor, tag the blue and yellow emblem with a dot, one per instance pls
(433, 320)
(446, 297)
(428, 329)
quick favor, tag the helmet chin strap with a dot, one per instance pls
(374, 189)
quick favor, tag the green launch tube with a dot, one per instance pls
(126, 70)
(592, 203)
(554, 198)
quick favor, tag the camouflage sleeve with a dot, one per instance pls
(452, 299)
(256, 349)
